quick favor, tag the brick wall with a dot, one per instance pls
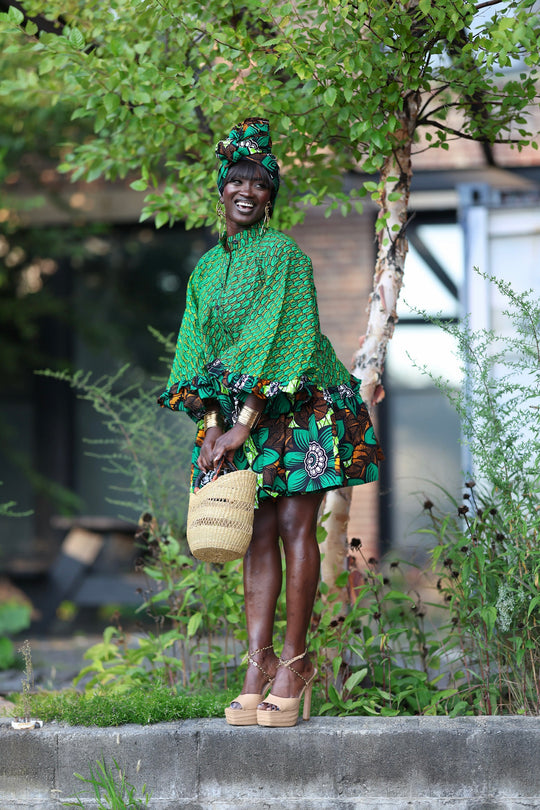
(343, 254)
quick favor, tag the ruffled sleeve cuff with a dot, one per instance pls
(220, 384)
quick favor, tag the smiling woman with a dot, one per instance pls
(267, 391)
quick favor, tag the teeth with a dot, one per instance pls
(247, 205)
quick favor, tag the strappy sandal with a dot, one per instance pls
(287, 711)
(246, 715)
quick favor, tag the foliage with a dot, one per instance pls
(147, 452)
(110, 792)
(489, 574)
(380, 658)
(489, 548)
(500, 407)
(194, 607)
(158, 83)
(6, 509)
(14, 617)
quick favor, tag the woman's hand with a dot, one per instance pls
(228, 442)
(206, 456)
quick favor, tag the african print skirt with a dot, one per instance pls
(324, 441)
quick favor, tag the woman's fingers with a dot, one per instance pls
(206, 455)
(228, 442)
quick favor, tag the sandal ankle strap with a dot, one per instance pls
(248, 657)
(287, 663)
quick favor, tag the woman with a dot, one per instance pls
(267, 390)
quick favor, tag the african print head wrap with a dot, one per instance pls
(249, 140)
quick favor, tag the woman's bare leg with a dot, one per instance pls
(297, 527)
(262, 585)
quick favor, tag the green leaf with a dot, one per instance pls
(330, 95)
(194, 624)
(139, 185)
(45, 65)
(162, 217)
(354, 679)
(397, 596)
(7, 653)
(342, 579)
(15, 15)
(533, 604)
(76, 39)
(14, 616)
(336, 664)
(111, 102)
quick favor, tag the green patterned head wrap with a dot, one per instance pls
(249, 140)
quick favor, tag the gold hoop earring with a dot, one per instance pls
(267, 215)
(222, 225)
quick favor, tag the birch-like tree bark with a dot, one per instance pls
(395, 184)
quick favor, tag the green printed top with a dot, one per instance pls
(251, 325)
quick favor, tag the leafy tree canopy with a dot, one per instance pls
(158, 82)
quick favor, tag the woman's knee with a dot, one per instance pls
(297, 518)
(265, 528)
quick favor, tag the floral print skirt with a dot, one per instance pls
(325, 440)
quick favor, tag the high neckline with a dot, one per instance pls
(242, 238)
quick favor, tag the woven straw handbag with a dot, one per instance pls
(220, 516)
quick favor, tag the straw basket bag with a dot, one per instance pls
(220, 516)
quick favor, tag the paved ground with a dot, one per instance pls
(56, 661)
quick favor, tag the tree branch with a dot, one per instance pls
(460, 134)
(488, 3)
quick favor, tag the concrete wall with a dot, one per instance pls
(482, 763)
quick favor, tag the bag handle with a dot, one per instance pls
(217, 471)
(224, 461)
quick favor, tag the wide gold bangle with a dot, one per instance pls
(211, 419)
(248, 417)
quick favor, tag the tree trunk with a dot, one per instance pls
(334, 547)
(392, 249)
(387, 281)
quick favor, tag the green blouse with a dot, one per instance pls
(251, 325)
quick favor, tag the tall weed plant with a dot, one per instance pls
(147, 451)
(487, 551)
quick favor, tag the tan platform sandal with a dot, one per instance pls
(246, 715)
(288, 709)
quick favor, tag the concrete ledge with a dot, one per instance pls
(484, 763)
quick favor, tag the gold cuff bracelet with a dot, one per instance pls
(248, 417)
(211, 419)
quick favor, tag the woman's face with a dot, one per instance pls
(244, 202)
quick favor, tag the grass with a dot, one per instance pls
(156, 704)
(142, 706)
